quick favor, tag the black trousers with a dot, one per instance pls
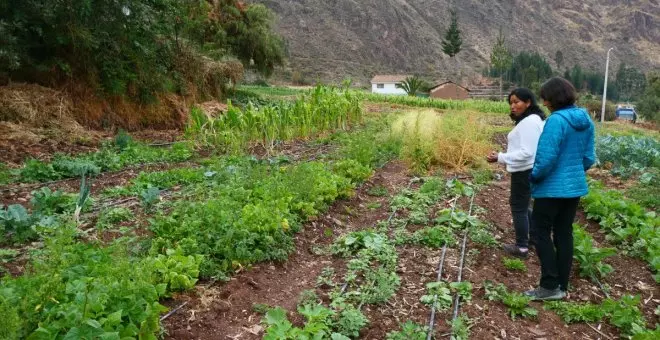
(553, 223)
(521, 194)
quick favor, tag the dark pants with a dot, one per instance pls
(521, 195)
(555, 216)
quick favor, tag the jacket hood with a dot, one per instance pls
(576, 117)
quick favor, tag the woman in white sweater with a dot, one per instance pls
(519, 160)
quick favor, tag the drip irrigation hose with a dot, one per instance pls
(435, 297)
(457, 300)
(439, 278)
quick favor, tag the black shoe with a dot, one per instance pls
(540, 294)
(515, 251)
(531, 244)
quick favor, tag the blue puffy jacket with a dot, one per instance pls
(565, 152)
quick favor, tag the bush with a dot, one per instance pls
(649, 105)
(139, 48)
(594, 108)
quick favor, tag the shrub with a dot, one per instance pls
(594, 108)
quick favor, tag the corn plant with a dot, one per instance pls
(314, 112)
(442, 104)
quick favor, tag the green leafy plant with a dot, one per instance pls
(350, 321)
(377, 191)
(113, 216)
(326, 278)
(374, 205)
(409, 331)
(514, 264)
(464, 289)
(589, 257)
(574, 312)
(317, 325)
(122, 140)
(17, 223)
(6, 255)
(437, 294)
(353, 170)
(627, 155)
(625, 314)
(37, 171)
(626, 223)
(150, 197)
(516, 303)
(48, 202)
(460, 327)
(81, 290)
(433, 237)
(308, 297)
(6, 175)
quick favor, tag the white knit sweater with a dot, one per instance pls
(522, 143)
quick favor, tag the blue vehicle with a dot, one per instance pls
(626, 113)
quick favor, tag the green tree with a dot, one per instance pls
(413, 85)
(577, 77)
(649, 105)
(452, 42)
(528, 68)
(630, 83)
(253, 41)
(132, 48)
(500, 57)
(559, 58)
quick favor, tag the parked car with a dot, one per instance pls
(626, 113)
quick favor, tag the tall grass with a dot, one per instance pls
(455, 140)
(272, 91)
(314, 112)
(442, 104)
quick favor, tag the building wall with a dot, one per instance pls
(449, 91)
(389, 88)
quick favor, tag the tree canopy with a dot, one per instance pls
(130, 47)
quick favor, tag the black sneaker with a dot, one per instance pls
(515, 251)
(540, 294)
(532, 243)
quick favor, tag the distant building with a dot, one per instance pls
(449, 90)
(386, 84)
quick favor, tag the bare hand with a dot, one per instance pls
(492, 157)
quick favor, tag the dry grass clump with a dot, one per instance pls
(455, 140)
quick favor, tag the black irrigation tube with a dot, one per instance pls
(439, 278)
(457, 300)
(435, 297)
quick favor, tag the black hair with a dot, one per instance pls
(526, 95)
(559, 92)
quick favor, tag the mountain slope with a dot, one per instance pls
(358, 38)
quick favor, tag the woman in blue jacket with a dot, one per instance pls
(565, 152)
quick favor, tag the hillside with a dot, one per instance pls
(333, 39)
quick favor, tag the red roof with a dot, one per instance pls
(448, 81)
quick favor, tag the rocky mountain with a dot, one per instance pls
(332, 39)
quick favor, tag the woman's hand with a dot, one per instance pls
(492, 157)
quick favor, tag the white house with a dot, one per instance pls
(386, 84)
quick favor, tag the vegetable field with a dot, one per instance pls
(318, 214)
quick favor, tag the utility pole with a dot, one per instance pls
(607, 67)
